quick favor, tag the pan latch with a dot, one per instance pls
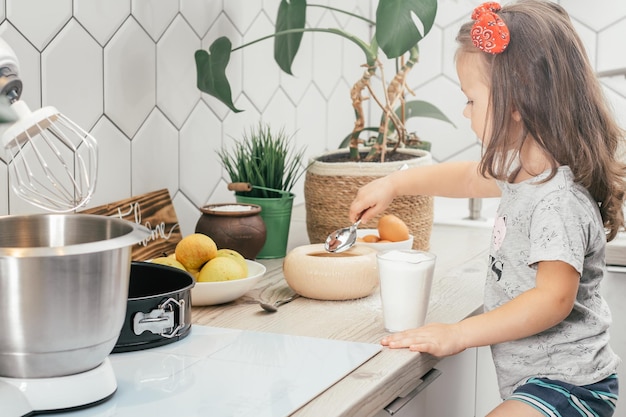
(161, 320)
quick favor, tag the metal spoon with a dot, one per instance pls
(342, 239)
(271, 308)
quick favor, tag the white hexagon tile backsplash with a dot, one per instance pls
(124, 70)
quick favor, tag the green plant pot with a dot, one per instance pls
(276, 213)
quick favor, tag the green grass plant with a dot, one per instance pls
(263, 158)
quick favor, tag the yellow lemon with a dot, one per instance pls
(169, 261)
(195, 250)
(194, 273)
(233, 254)
(221, 268)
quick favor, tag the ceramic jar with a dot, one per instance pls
(235, 226)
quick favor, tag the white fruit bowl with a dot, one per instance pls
(211, 293)
(403, 244)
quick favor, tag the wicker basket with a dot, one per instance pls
(330, 187)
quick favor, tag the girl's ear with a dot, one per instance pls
(517, 116)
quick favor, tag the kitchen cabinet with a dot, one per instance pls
(487, 392)
(413, 403)
(613, 289)
(453, 394)
(451, 389)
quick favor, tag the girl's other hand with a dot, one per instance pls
(438, 339)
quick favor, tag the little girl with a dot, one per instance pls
(549, 152)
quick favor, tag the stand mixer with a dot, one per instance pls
(52, 164)
(21, 397)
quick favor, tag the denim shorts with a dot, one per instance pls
(560, 399)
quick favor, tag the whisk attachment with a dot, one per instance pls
(53, 161)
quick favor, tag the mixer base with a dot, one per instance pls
(37, 395)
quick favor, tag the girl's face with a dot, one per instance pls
(471, 72)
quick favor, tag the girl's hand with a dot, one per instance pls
(531, 312)
(438, 339)
(372, 199)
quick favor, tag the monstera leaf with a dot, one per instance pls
(396, 31)
(291, 19)
(399, 26)
(211, 70)
(414, 108)
(419, 108)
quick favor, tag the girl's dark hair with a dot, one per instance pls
(545, 75)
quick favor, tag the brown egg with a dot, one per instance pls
(370, 238)
(392, 228)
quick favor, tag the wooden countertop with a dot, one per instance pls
(456, 293)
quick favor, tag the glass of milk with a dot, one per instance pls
(406, 277)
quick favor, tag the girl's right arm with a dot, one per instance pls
(531, 312)
(449, 179)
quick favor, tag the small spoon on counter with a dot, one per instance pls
(272, 308)
(342, 239)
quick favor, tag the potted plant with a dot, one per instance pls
(265, 160)
(397, 36)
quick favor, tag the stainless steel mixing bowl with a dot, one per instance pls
(63, 291)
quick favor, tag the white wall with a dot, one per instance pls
(124, 70)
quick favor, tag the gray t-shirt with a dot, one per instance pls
(557, 220)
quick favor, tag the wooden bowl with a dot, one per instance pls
(314, 273)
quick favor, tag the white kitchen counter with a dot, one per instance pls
(221, 372)
(457, 292)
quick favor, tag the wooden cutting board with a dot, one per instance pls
(153, 210)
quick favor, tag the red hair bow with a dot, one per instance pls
(489, 33)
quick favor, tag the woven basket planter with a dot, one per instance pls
(330, 187)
